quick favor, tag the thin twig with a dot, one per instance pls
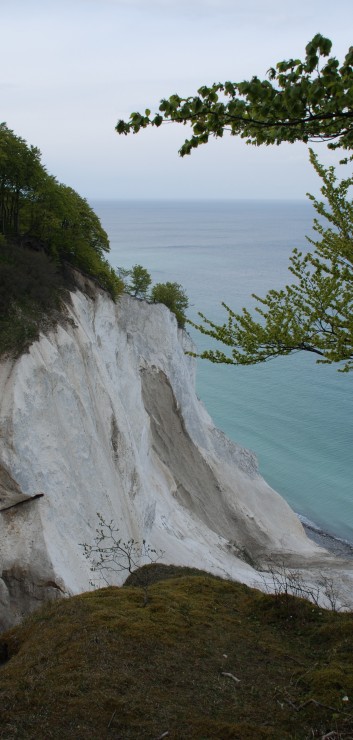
(111, 719)
(230, 675)
(317, 704)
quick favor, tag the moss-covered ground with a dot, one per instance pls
(204, 658)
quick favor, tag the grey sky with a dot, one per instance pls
(71, 69)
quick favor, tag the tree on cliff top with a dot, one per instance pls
(300, 101)
(44, 227)
(36, 209)
(140, 281)
(174, 297)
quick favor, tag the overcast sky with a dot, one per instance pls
(69, 69)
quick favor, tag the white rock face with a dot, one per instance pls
(101, 416)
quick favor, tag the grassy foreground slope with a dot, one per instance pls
(103, 665)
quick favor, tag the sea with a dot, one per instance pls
(294, 414)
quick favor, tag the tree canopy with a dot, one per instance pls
(45, 227)
(307, 101)
(36, 209)
(140, 281)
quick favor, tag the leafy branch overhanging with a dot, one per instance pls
(315, 313)
(310, 100)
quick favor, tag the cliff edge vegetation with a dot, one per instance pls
(45, 228)
(205, 658)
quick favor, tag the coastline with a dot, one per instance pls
(340, 548)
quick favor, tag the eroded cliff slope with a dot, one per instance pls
(101, 415)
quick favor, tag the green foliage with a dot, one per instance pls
(35, 206)
(310, 100)
(174, 297)
(44, 225)
(171, 295)
(20, 173)
(316, 312)
(140, 281)
(300, 101)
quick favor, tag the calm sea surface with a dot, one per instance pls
(296, 415)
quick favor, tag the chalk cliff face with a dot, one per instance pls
(101, 416)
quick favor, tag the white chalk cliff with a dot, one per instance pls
(101, 415)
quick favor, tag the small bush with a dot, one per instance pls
(174, 297)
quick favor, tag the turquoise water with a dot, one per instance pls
(294, 414)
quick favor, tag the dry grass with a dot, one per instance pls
(101, 665)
